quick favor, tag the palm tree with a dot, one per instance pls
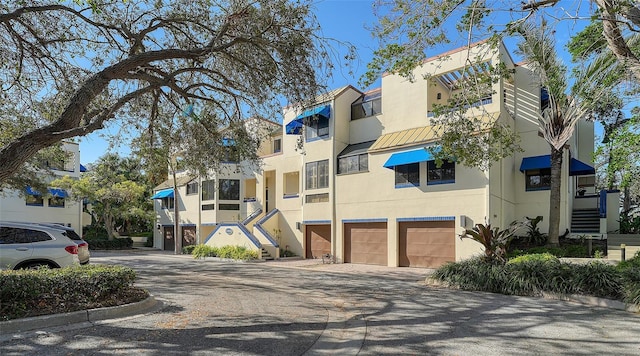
(558, 121)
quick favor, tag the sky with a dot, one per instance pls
(343, 20)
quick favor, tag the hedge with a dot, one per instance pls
(115, 244)
(24, 292)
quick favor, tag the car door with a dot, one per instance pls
(15, 246)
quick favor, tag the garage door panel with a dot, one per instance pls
(427, 243)
(318, 240)
(366, 243)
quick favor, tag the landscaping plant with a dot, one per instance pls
(495, 241)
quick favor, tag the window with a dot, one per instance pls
(208, 189)
(538, 179)
(229, 189)
(12, 235)
(291, 184)
(407, 174)
(442, 175)
(208, 206)
(56, 202)
(192, 188)
(317, 174)
(366, 106)
(316, 127)
(34, 200)
(353, 164)
(316, 198)
(277, 145)
(167, 203)
(229, 206)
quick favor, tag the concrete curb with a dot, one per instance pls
(576, 298)
(80, 316)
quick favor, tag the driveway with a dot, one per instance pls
(301, 307)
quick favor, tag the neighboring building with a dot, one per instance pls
(363, 188)
(53, 206)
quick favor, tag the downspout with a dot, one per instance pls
(200, 210)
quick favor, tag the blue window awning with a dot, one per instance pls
(579, 168)
(407, 157)
(167, 193)
(58, 193)
(323, 111)
(82, 168)
(295, 126)
(576, 167)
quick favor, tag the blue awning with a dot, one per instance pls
(407, 157)
(576, 167)
(295, 126)
(82, 168)
(167, 193)
(58, 193)
(324, 111)
(579, 168)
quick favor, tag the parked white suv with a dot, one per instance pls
(25, 245)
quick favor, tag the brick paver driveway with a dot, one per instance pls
(270, 309)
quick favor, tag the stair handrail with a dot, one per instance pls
(258, 225)
(251, 216)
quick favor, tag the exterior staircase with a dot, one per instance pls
(585, 221)
(266, 255)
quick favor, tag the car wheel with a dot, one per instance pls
(35, 265)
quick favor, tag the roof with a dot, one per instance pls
(356, 149)
(416, 136)
(330, 95)
(183, 180)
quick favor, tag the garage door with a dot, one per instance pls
(427, 243)
(365, 243)
(318, 240)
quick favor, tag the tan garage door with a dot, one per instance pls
(318, 240)
(427, 243)
(365, 243)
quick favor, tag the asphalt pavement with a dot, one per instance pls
(305, 307)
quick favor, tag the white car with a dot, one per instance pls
(27, 245)
(83, 246)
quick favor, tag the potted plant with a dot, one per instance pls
(581, 191)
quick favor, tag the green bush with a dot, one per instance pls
(147, 234)
(94, 233)
(232, 252)
(149, 242)
(534, 275)
(187, 250)
(533, 257)
(287, 253)
(23, 292)
(202, 251)
(115, 244)
(576, 251)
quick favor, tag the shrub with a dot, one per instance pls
(495, 241)
(202, 251)
(94, 232)
(534, 236)
(24, 292)
(149, 242)
(115, 244)
(546, 256)
(562, 251)
(187, 250)
(287, 253)
(534, 275)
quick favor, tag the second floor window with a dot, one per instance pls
(277, 145)
(167, 203)
(407, 174)
(317, 174)
(353, 164)
(229, 189)
(192, 188)
(208, 189)
(316, 127)
(444, 174)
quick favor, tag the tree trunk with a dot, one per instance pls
(554, 197)
(614, 37)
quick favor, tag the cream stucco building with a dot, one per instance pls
(350, 176)
(53, 206)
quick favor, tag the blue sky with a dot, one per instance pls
(343, 20)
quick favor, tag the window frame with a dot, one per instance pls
(167, 203)
(38, 200)
(544, 176)
(277, 145)
(227, 190)
(208, 187)
(444, 170)
(316, 180)
(190, 190)
(56, 202)
(313, 127)
(410, 174)
(361, 167)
